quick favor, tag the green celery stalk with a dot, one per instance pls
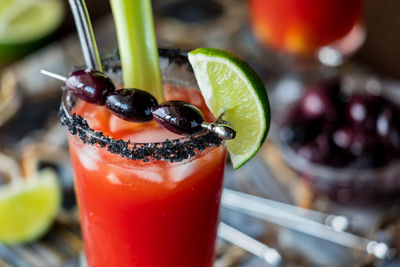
(137, 45)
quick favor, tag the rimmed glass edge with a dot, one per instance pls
(344, 174)
(175, 150)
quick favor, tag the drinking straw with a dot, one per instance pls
(85, 34)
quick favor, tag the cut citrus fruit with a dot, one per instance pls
(23, 23)
(28, 208)
(231, 87)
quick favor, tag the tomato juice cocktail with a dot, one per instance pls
(159, 210)
(148, 197)
(303, 26)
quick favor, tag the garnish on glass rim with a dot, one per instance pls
(138, 105)
(230, 87)
(233, 90)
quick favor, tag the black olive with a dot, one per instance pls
(179, 117)
(90, 85)
(131, 104)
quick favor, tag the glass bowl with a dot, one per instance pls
(345, 184)
(349, 183)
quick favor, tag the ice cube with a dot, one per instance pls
(149, 174)
(113, 178)
(152, 135)
(89, 156)
(117, 125)
(181, 171)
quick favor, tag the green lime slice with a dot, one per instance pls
(28, 208)
(24, 23)
(232, 88)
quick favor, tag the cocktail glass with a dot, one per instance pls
(328, 30)
(153, 200)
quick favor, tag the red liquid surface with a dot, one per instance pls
(303, 26)
(145, 214)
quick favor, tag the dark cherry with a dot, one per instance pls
(394, 134)
(298, 129)
(363, 109)
(357, 109)
(90, 85)
(333, 86)
(387, 127)
(338, 157)
(383, 122)
(296, 116)
(179, 117)
(363, 142)
(378, 155)
(131, 104)
(317, 103)
(394, 138)
(343, 137)
(300, 132)
(315, 150)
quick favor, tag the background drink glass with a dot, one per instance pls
(327, 30)
(155, 213)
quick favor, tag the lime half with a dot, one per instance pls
(23, 23)
(231, 87)
(28, 208)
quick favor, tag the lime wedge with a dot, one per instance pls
(25, 22)
(28, 208)
(231, 87)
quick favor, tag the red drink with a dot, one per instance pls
(137, 213)
(303, 26)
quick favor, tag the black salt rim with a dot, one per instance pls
(111, 62)
(176, 150)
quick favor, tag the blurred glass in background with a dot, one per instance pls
(327, 30)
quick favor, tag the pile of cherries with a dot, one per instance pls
(331, 128)
(134, 104)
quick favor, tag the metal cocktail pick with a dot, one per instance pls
(53, 75)
(85, 33)
(222, 130)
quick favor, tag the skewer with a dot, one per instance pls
(92, 59)
(222, 130)
(53, 75)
